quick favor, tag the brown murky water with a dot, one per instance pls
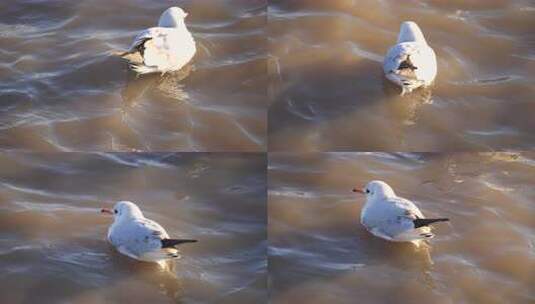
(319, 253)
(328, 92)
(52, 236)
(60, 89)
(295, 75)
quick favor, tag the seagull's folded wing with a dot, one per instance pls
(141, 38)
(421, 55)
(124, 250)
(138, 237)
(160, 254)
(156, 47)
(393, 58)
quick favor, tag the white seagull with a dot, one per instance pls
(393, 218)
(140, 238)
(411, 63)
(165, 48)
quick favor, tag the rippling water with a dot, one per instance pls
(52, 236)
(328, 91)
(319, 253)
(61, 89)
(312, 70)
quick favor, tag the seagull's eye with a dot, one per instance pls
(367, 190)
(115, 210)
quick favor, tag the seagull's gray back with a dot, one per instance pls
(392, 216)
(137, 236)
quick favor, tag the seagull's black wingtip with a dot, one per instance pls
(426, 222)
(169, 243)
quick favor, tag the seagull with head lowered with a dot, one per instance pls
(165, 48)
(140, 238)
(393, 218)
(411, 63)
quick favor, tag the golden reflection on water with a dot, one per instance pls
(327, 87)
(53, 246)
(321, 253)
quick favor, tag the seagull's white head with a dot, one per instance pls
(124, 209)
(376, 189)
(172, 17)
(410, 32)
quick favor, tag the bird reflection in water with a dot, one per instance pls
(405, 111)
(406, 108)
(164, 278)
(167, 86)
(402, 255)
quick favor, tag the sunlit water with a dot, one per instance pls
(53, 246)
(327, 91)
(319, 252)
(62, 89)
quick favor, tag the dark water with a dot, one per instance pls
(61, 89)
(328, 93)
(319, 253)
(53, 246)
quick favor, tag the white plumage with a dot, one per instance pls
(165, 48)
(138, 237)
(393, 218)
(411, 63)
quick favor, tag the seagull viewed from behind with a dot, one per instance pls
(165, 48)
(393, 218)
(411, 63)
(140, 238)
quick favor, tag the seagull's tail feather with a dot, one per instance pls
(142, 69)
(132, 57)
(118, 53)
(407, 64)
(412, 235)
(135, 61)
(159, 255)
(426, 222)
(170, 243)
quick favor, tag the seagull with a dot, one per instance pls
(165, 48)
(411, 63)
(394, 218)
(140, 238)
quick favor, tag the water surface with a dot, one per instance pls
(319, 253)
(61, 88)
(53, 246)
(328, 92)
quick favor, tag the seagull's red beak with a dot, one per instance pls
(358, 190)
(106, 210)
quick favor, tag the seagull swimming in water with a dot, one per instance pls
(165, 48)
(140, 238)
(411, 63)
(393, 218)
